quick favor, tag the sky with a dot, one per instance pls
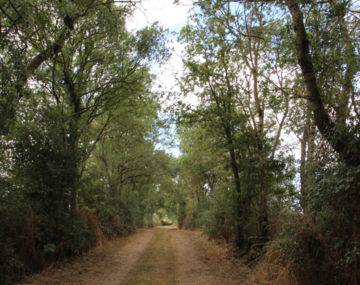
(172, 17)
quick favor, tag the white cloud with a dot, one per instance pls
(168, 14)
(172, 17)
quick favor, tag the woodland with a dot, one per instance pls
(270, 156)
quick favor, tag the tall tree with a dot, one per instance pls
(232, 63)
(343, 140)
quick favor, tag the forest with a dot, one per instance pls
(269, 154)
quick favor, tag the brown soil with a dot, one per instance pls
(163, 256)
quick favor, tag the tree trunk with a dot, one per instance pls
(307, 158)
(341, 140)
(264, 185)
(264, 189)
(239, 237)
(73, 141)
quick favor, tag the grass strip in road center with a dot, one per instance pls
(157, 266)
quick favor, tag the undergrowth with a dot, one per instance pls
(26, 247)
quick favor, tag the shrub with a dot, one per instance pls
(218, 220)
(11, 267)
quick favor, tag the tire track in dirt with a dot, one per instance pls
(158, 262)
(201, 263)
(109, 265)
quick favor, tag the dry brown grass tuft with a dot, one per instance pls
(270, 270)
(265, 271)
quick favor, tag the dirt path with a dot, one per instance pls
(163, 256)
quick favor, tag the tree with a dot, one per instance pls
(343, 140)
(231, 63)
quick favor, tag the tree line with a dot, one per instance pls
(78, 125)
(272, 77)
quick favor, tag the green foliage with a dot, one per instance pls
(150, 44)
(9, 262)
(76, 112)
(218, 220)
(14, 223)
(116, 222)
(321, 247)
(74, 239)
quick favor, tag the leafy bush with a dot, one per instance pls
(115, 222)
(10, 265)
(323, 246)
(218, 221)
(74, 238)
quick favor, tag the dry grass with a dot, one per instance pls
(265, 271)
(269, 270)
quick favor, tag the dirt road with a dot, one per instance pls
(163, 256)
